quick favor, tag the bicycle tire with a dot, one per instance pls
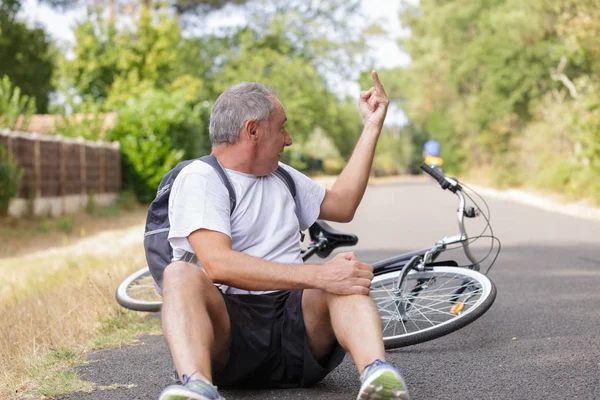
(428, 293)
(137, 292)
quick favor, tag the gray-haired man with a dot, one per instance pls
(253, 315)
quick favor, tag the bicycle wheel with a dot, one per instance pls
(137, 292)
(430, 304)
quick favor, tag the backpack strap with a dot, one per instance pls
(285, 176)
(213, 162)
(280, 172)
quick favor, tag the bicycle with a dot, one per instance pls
(418, 298)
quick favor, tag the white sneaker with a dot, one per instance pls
(382, 381)
(197, 389)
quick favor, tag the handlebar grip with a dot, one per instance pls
(435, 174)
(444, 182)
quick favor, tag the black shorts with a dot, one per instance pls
(269, 347)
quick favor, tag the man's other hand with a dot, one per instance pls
(345, 275)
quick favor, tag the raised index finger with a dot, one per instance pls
(376, 81)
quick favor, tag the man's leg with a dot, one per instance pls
(351, 320)
(355, 323)
(195, 322)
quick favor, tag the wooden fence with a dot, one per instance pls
(60, 174)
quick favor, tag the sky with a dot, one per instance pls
(385, 12)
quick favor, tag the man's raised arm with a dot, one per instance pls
(342, 200)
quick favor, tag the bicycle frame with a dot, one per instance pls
(430, 254)
(423, 259)
(419, 259)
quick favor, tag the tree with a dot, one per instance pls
(111, 65)
(508, 86)
(300, 87)
(26, 55)
(129, 6)
(156, 130)
(15, 109)
(479, 68)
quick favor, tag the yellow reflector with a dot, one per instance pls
(458, 307)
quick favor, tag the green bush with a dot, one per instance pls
(10, 179)
(14, 105)
(156, 130)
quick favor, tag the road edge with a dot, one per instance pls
(547, 202)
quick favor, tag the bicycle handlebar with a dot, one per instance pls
(322, 240)
(445, 182)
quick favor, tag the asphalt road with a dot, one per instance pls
(540, 340)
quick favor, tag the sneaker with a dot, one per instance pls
(382, 381)
(197, 389)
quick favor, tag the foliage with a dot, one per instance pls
(111, 65)
(292, 77)
(88, 123)
(300, 87)
(15, 108)
(343, 126)
(162, 111)
(156, 130)
(324, 33)
(181, 6)
(489, 79)
(140, 69)
(396, 152)
(10, 179)
(27, 55)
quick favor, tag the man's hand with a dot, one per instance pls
(345, 275)
(373, 103)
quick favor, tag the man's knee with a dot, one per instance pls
(315, 300)
(180, 274)
(183, 281)
(315, 308)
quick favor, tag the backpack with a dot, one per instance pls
(156, 244)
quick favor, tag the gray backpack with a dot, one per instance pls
(156, 244)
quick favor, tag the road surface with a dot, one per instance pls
(540, 340)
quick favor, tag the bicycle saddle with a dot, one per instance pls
(322, 230)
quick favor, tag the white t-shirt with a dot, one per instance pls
(265, 222)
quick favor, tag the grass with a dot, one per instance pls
(20, 236)
(55, 374)
(56, 306)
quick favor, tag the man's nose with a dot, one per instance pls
(288, 139)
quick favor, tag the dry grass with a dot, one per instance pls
(51, 309)
(19, 236)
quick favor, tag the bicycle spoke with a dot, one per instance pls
(428, 297)
(437, 301)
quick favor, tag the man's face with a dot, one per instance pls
(273, 139)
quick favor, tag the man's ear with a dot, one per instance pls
(250, 129)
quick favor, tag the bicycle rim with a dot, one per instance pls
(435, 302)
(138, 293)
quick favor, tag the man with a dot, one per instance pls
(275, 322)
